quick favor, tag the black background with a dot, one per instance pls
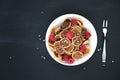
(21, 50)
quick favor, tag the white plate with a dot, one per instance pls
(87, 24)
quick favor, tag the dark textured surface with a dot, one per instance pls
(21, 21)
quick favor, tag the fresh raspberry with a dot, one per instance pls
(83, 48)
(70, 61)
(87, 35)
(65, 57)
(69, 35)
(52, 38)
(74, 22)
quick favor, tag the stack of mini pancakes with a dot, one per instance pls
(71, 47)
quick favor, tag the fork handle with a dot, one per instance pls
(104, 51)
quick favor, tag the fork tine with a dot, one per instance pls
(106, 25)
(103, 23)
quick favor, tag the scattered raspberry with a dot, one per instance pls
(83, 48)
(65, 57)
(87, 34)
(69, 35)
(73, 22)
(52, 38)
(70, 61)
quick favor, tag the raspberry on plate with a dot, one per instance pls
(69, 35)
(65, 57)
(52, 37)
(74, 22)
(87, 34)
(70, 61)
(83, 48)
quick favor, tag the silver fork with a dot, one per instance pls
(105, 25)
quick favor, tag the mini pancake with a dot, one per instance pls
(77, 40)
(57, 37)
(57, 43)
(63, 33)
(87, 49)
(57, 30)
(80, 23)
(65, 43)
(69, 49)
(66, 23)
(59, 50)
(77, 55)
(77, 30)
(52, 47)
(86, 42)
